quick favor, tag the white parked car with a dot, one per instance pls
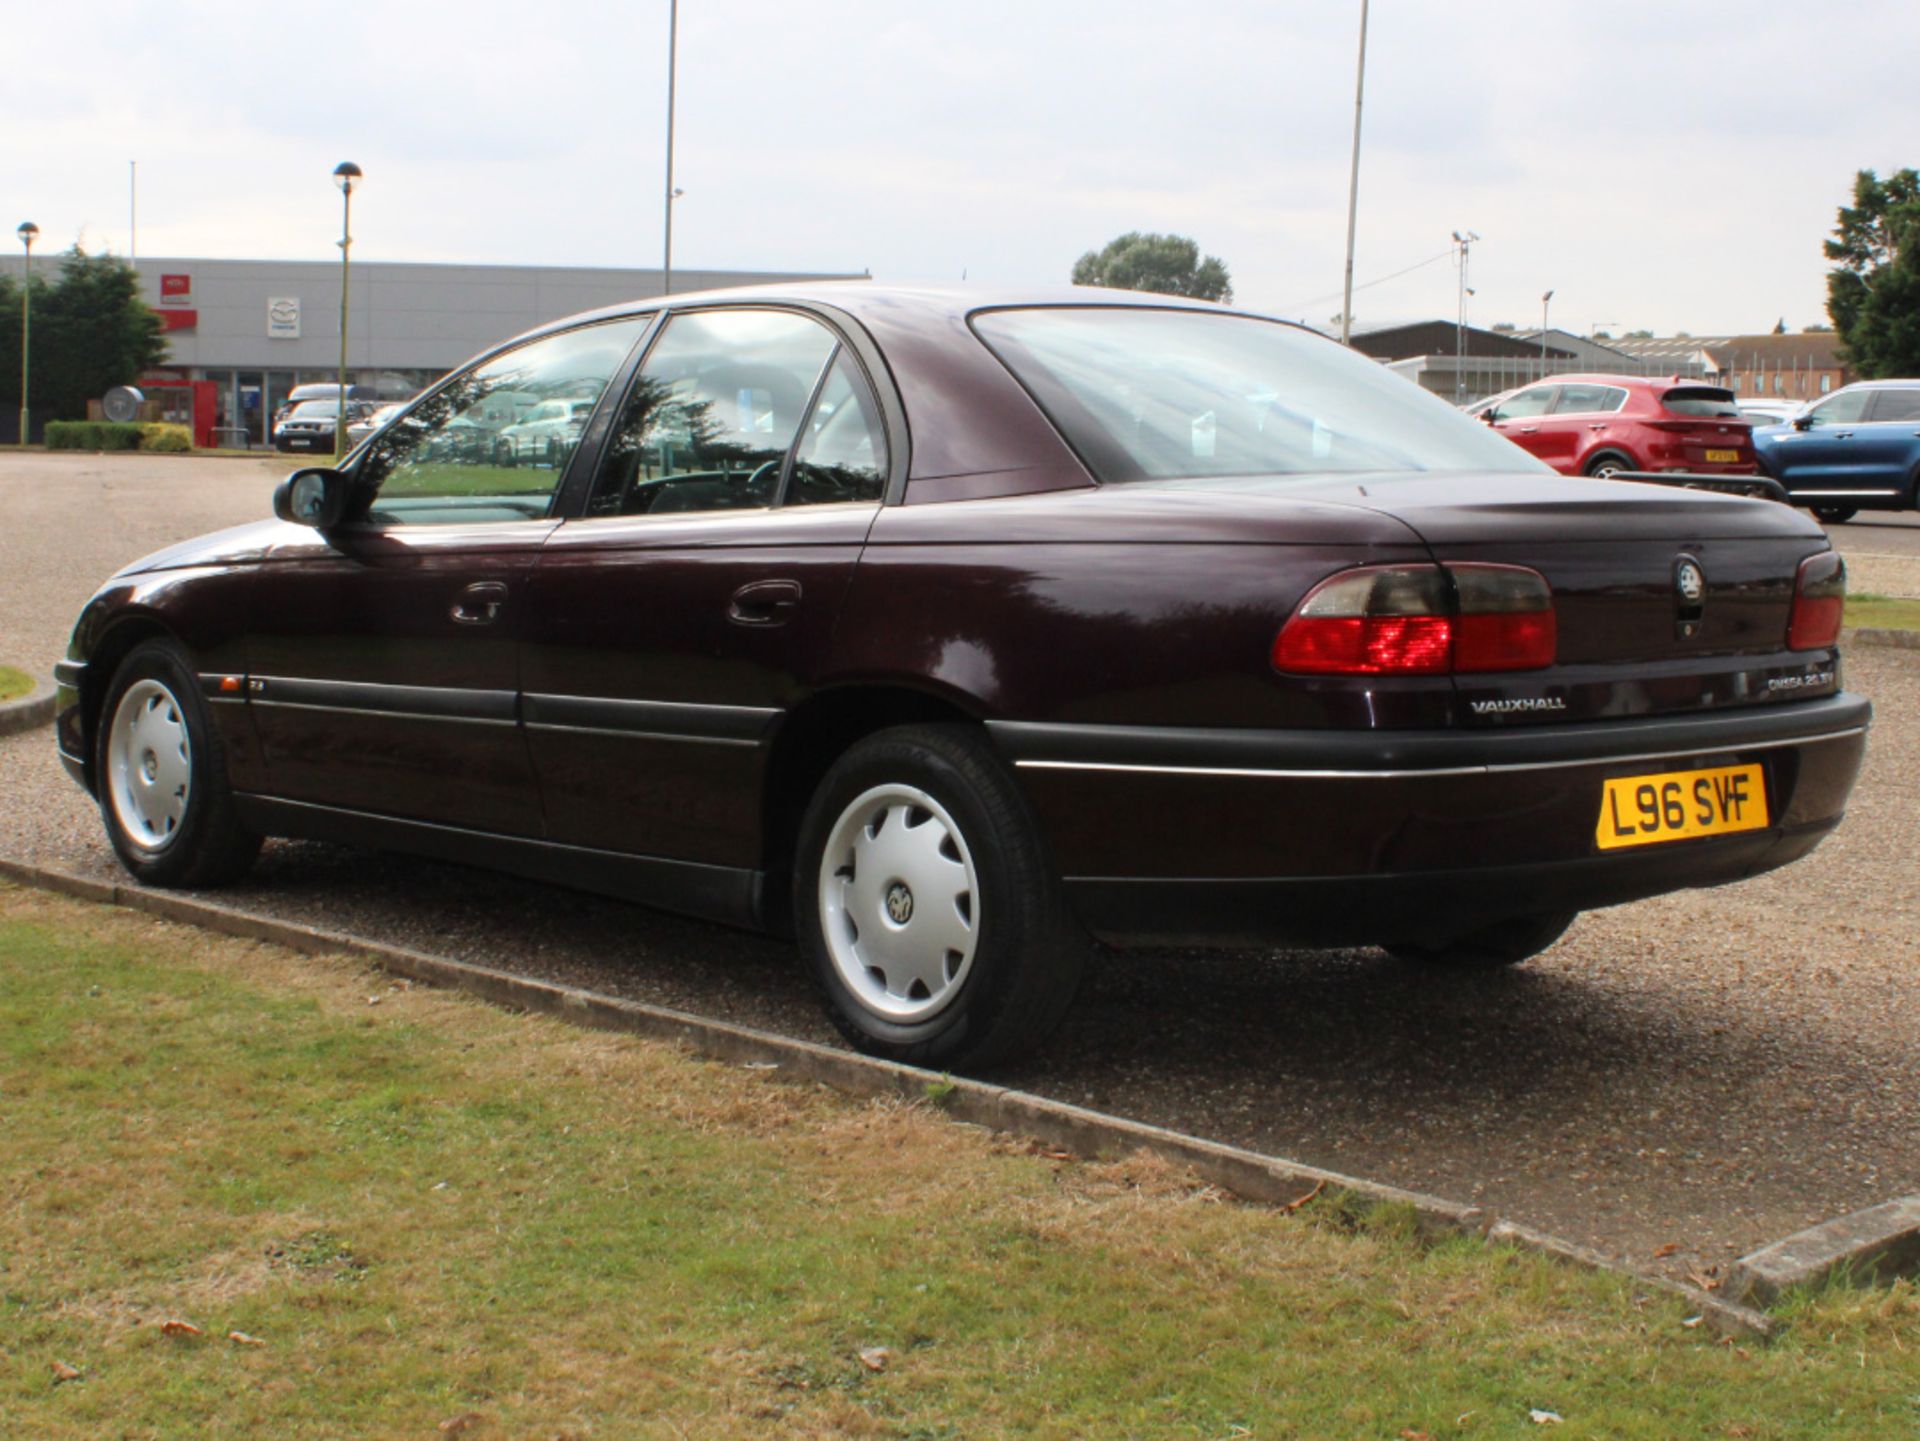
(545, 435)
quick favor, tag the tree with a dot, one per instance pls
(1164, 264)
(1873, 293)
(91, 332)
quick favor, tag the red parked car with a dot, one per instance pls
(1599, 424)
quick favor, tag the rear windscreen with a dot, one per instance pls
(1700, 400)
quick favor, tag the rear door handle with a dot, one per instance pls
(764, 602)
(1529, 430)
(480, 604)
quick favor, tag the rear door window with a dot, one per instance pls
(1589, 399)
(1895, 405)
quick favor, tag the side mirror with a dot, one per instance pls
(1803, 422)
(317, 497)
(1491, 415)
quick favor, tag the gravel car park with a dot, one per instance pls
(1676, 1082)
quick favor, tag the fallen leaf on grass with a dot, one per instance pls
(1291, 1206)
(1660, 1253)
(1411, 1435)
(241, 1338)
(1544, 1418)
(1703, 1281)
(1692, 1321)
(63, 1372)
(180, 1328)
(461, 1424)
(875, 1358)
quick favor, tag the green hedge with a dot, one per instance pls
(161, 436)
(109, 435)
(92, 435)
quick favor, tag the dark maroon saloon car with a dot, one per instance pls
(944, 632)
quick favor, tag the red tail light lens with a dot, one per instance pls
(1421, 620)
(1819, 602)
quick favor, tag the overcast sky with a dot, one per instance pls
(1667, 165)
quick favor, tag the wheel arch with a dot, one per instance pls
(1611, 448)
(811, 737)
(113, 645)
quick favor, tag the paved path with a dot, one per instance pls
(1711, 1070)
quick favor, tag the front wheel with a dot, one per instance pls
(927, 906)
(1490, 947)
(162, 776)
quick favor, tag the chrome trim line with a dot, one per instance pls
(637, 735)
(690, 719)
(1818, 494)
(1577, 763)
(473, 720)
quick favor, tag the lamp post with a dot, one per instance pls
(673, 39)
(1545, 300)
(345, 175)
(1353, 180)
(1464, 240)
(28, 233)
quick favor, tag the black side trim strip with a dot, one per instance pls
(748, 724)
(1362, 751)
(421, 700)
(717, 893)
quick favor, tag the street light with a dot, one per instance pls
(1464, 240)
(673, 39)
(28, 233)
(1353, 180)
(345, 175)
(1545, 300)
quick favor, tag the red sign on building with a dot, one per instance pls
(176, 290)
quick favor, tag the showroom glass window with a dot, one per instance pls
(493, 443)
(714, 413)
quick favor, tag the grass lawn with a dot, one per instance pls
(1883, 611)
(426, 1209)
(14, 683)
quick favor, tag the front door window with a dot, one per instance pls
(492, 444)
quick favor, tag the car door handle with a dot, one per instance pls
(764, 602)
(1843, 435)
(1601, 426)
(1529, 430)
(480, 604)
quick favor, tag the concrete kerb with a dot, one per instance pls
(1877, 635)
(35, 708)
(1877, 1244)
(1248, 1175)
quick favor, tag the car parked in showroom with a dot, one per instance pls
(1858, 449)
(310, 426)
(1600, 424)
(943, 631)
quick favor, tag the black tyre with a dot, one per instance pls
(927, 906)
(1834, 514)
(162, 775)
(1503, 943)
(1608, 462)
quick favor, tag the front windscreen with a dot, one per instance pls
(1145, 394)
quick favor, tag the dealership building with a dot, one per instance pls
(242, 333)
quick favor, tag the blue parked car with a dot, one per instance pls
(1859, 449)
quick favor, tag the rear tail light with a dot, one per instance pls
(1819, 602)
(1421, 620)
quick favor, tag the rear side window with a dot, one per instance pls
(843, 447)
(1700, 400)
(1589, 399)
(1895, 405)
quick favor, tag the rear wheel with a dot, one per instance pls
(1834, 514)
(1503, 943)
(926, 904)
(1608, 463)
(162, 776)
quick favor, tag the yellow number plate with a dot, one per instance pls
(1678, 805)
(1723, 457)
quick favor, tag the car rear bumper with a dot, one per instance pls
(1187, 836)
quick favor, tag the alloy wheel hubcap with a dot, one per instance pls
(898, 906)
(149, 765)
